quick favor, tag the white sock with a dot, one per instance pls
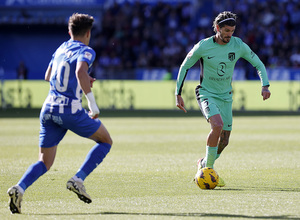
(21, 190)
(77, 179)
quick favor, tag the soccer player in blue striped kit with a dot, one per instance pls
(218, 55)
(68, 74)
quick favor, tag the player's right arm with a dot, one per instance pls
(189, 61)
(84, 80)
(191, 58)
(49, 69)
(180, 103)
(48, 73)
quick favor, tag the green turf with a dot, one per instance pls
(148, 173)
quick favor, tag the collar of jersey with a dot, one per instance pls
(77, 41)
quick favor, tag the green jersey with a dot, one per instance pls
(217, 64)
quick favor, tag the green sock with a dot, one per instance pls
(218, 155)
(211, 154)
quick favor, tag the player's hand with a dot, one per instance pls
(93, 116)
(265, 92)
(180, 103)
(92, 80)
(94, 110)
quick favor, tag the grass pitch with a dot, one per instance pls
(148, 173)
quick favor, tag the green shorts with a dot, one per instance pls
(212, 104)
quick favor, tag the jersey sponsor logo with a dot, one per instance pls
(88, 55)
(210, 57)
(231, 56)
(220, 79)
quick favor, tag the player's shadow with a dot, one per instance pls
(208, 215)
(200, 215)
(261, 189)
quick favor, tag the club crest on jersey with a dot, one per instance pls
(231, 56)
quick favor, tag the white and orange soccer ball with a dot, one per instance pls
(207, 178)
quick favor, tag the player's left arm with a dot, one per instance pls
(252, 58)
(84, 62)
(83, 76)
(85, 82)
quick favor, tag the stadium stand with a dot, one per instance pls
(130, 36)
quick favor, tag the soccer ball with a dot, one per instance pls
(207, 178)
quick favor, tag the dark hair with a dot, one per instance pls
(224, 18)
(79, 24)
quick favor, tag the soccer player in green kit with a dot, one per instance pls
(218, 55)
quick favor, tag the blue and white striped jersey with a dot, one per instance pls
(65, 92)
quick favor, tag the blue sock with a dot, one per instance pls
(93, 159)
(211, 153)
(32, 174)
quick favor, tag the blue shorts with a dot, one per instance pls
(53, 126)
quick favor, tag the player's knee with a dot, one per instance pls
(110, 141)
(107, 140)
(217, 126)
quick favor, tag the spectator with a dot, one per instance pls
(150, 33)
(22, 71)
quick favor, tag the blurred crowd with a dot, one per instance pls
(139, 35)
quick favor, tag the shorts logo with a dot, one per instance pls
(231, 56)
(56, 119)
(205, 106)
(207, 110)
